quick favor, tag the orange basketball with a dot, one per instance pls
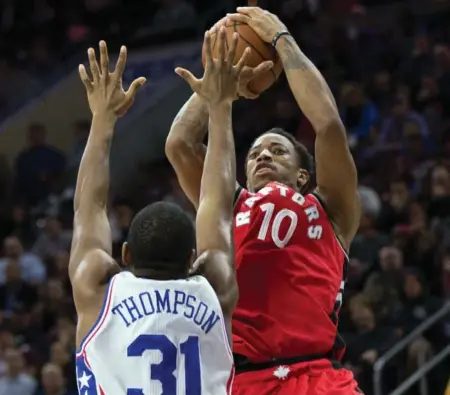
(261, 52)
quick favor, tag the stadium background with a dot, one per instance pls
(388, 64)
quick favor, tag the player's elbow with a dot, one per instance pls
(332, 124)
(179, 151)
(174, 147)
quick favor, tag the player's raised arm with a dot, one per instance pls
(218, 89)
(335, 168)
(184, 145)
(91, 263)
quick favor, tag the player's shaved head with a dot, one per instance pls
(161, 238)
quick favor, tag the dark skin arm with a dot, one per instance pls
(214, 222)
(184, 145)
(336, 174)
(215, 247)
(335, 169)
(91, 264)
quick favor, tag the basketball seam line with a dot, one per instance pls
(249, 44)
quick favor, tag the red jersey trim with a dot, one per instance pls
(319, 200)
(237, 194)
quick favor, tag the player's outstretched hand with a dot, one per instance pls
(220, 81)
(248, 73)
(105, 92)
(264, 23)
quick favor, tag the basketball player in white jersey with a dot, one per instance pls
(152, 330)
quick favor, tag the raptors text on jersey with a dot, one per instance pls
(291, 273)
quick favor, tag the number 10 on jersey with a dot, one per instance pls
(164, 372)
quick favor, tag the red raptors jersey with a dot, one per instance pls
(290, 270)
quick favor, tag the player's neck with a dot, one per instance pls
(294, 187)
(158, 274)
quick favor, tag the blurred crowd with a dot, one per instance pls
(36, 37)
(389, 68)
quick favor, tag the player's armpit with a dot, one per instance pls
(93, 271)
(337, 182)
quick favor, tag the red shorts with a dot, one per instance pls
(304, 378)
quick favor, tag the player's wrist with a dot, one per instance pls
(104, 117)
(280, 40)
(223, 106)
(279, 35)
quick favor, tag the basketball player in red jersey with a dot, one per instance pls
(290, 245)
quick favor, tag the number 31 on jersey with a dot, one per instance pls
(164, 371)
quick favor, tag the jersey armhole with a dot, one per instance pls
(237, 194)
(320, 200)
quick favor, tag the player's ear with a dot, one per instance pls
(192, 260)
(126, 261)
(302, 178)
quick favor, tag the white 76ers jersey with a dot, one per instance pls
(156, 338)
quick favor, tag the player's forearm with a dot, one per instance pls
(307, 85)
(219, 176)
(92, 186)
(215, 213)
(189, 126)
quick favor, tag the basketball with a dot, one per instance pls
(261, 52)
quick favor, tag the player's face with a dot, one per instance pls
(272, 157)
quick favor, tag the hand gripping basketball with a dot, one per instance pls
(250, 74)
(220, 81)
(264, 23)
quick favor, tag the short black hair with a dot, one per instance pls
(162, 237)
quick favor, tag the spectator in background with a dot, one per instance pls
(61, 356)
(439, 192)
(38, 167)
(420, 61)
(6, 343)
(16, 381)
(382, 91)
(52, 240)
(31, 268)
(16, 294)
(383, 289)
(369, 239)
(358, 113)
(41, 56)
(366, 344)
(19, 224)
(53, 381)
(287, 115)
(80, 135)
(418, 304)
(392, 133)
(444, 267)
(395, 210)
(12, 81)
